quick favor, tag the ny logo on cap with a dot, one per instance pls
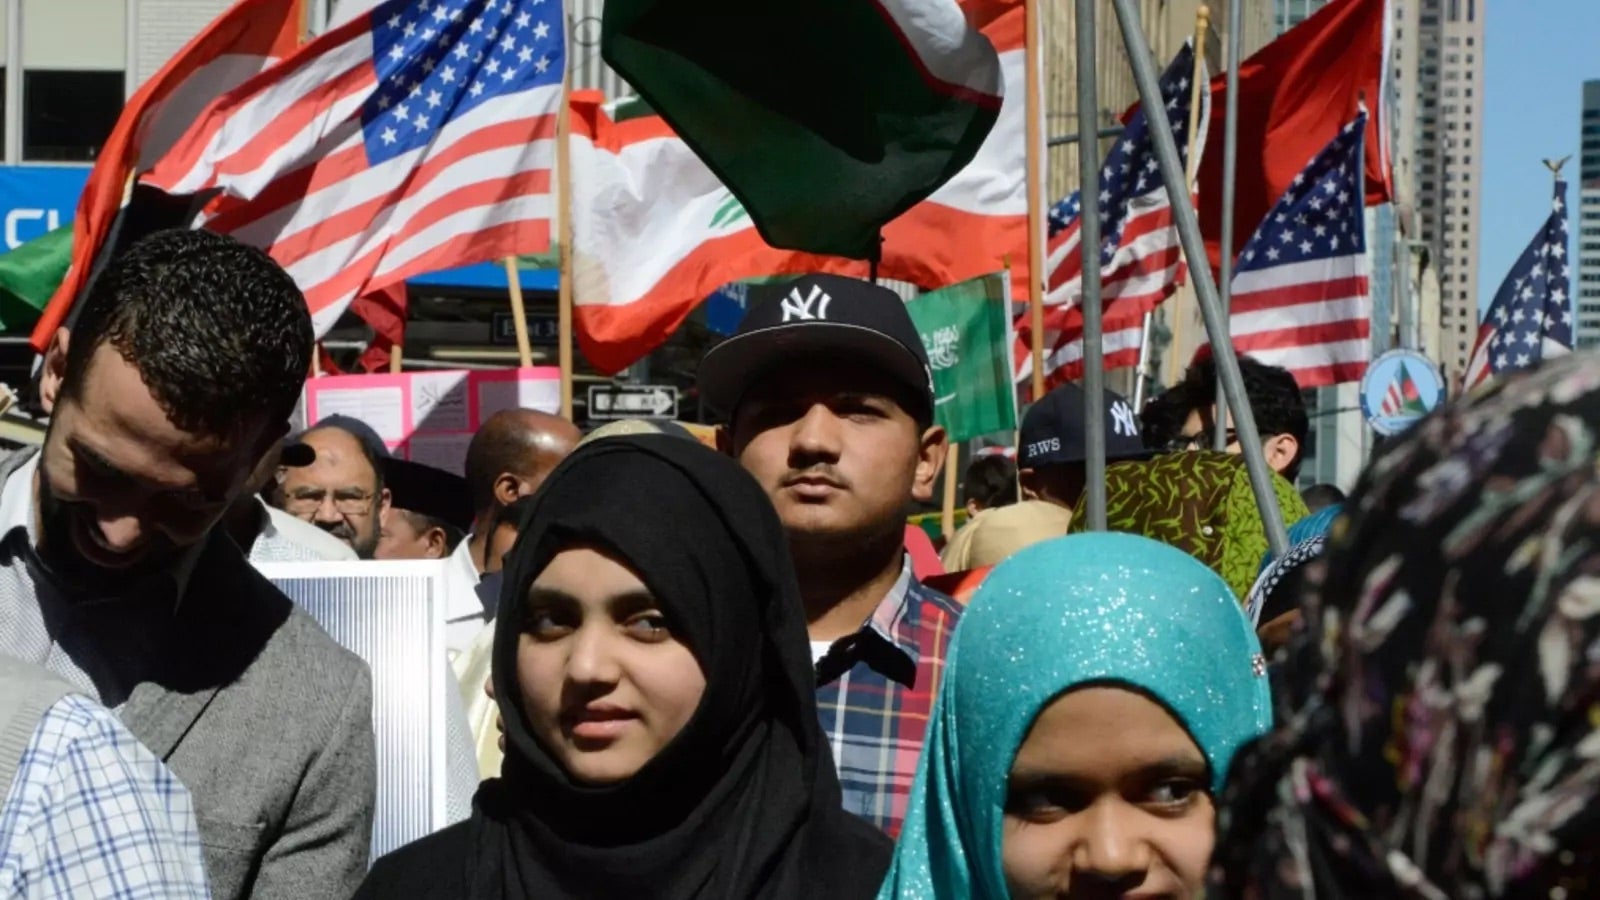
(798, 307)
(1122, 419)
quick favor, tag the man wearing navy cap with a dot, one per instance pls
(829, 399)
(1053, 445)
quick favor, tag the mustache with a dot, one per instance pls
(340, 530)
(818, 472)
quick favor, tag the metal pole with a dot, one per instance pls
(1230, 177)
(1188, 224)
(1141, 374)
(1094, 375)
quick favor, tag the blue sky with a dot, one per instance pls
(1539, 54)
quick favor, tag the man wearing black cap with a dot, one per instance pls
(429, 511)
(829, 399)
(1053, 446)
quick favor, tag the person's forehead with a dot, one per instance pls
(822, 377)
(339, 457)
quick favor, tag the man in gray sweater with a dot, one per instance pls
(177, 377)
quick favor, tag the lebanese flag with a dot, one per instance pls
(1295, 96)
(249, 37)
(978, 220)
(654, 232)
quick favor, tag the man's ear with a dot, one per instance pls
(931, 453)
(507, 488)
(54, 370)
(1281, 451)
(1028, 482)
(725, 441)
(385, 500)
(437, 542)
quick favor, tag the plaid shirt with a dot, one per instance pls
(875, 693)
(92, 813)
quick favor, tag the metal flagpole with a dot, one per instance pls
(1188, 224)
(1230, 174)
(1033, 103)
(1094, 375)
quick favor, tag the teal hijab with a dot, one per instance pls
(1088, 608)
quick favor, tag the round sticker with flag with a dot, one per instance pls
(1399, 388)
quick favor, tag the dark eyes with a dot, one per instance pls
(1168, 797)
(550, 624)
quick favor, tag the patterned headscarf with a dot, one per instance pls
(1441, 708)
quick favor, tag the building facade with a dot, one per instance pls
(1449, 125)
(1588, 220)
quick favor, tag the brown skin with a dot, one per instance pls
(504, 538)
(399, 538)
(1279, 449)
(122, 491)
(840, 458)
(1275, 635)
(340, 469)
(548, 440)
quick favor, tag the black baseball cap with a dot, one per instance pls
(432, 492)
(1053, 429)
(817, 316)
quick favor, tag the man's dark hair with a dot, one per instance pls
(218, 331)
(421, 523)
(1162, 419)
(1321, 496)
(1274, 397)
(992, 481)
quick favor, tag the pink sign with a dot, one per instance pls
(430, 417)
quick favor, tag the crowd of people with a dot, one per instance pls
(686, 672)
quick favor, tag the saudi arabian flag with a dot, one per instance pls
(29, 274)
(825, 118)
(966, 329)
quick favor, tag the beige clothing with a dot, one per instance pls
(998, 533)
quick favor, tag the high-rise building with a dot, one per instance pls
(1449, 107)
(1290, 13)
(1588, 333)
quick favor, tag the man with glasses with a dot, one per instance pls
(341, 491)
(1274, 397)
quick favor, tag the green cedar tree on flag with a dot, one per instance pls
(29, 274)
(966, 329)
(825, 118)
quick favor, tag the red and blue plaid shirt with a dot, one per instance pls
(875, 691)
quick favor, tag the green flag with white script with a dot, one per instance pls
(966, 329)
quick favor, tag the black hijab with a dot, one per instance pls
(744, 802)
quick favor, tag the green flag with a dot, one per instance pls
(825, 118)
(30, 274)
(965, 328)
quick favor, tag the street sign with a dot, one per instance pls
(633, 401)
(544, 329)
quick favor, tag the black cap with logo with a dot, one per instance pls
(817, 316)
(1053, 430)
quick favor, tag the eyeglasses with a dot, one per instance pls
(1200, 441)
(348, 501)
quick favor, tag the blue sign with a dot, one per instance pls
(1399, 388)
(725, 308)
(490, 276)
(37, 199)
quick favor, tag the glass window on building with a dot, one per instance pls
(73, 77)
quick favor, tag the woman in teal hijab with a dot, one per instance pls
(1097, 688)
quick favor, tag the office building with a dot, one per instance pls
(1587, 220)
(1449, 125)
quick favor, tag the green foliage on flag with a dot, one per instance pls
(823, 117)
(29, 274)
(966, 330)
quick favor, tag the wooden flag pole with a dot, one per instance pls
(1035, 177)
(396, 359)
(519, 314)
(952, 477)
(564, 239)
(1202, 29)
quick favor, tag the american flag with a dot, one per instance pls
(1300, 296)
(415, 137)
(1530, 319)
(1141, 263)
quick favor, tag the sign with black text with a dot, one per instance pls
(633, 401)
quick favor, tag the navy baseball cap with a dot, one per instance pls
(817, 316)
(1052, 430)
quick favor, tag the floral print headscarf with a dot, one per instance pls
(1440, 711)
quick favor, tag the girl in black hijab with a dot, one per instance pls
(650, 568)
